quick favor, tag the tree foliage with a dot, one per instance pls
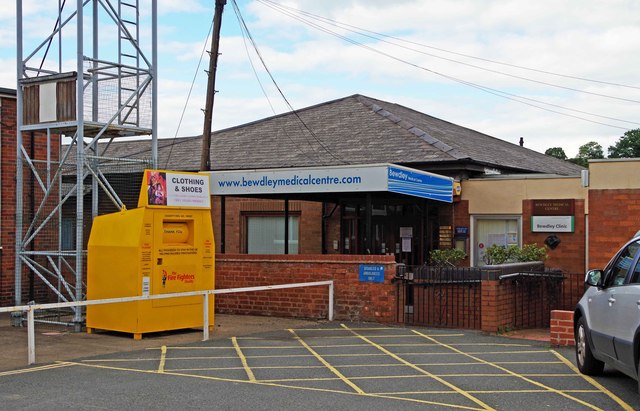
(591, 150)
(628, 146)
(556, 152)
(586, 152)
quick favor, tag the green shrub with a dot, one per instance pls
(499, 254)
(447, 257)
(531, 252)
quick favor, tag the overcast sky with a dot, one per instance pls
(590, 40)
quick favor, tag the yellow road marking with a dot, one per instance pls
(35, 369)
(163, 356)
(287, 347)
(191, 348)
(205, 377)
(484, 392)
(364, 378)
(344, 337)
(275, 367)
(593, 382)
(539, 384)
(126, 360)
(525, 362)
(115, 360)
(243, 359)
(442, 381)
(326, 364)
(340, 329)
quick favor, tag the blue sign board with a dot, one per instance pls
(420, 184)
(371, 273)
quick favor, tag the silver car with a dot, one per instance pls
(607, 317)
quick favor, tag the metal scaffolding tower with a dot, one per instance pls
(75, 97)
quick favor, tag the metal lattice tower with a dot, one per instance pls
(86, 85)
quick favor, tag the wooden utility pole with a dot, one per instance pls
(205, 159)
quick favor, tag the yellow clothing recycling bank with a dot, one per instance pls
(164, 246)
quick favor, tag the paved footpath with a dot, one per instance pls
(325, 366)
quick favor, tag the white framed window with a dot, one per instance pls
(265, 234)
(505, 230)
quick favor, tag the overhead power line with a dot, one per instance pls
(298, 15)
(193, 81)
(275, 83)
(380, 36)
(264, 92)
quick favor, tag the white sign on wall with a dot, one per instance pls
(367, 178)
(553, 224)
(174, 189)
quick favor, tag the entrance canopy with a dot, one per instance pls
(335, 179)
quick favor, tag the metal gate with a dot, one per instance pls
(439, 297)
(533, 295)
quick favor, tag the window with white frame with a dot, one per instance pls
(500, 230)
(265, 234)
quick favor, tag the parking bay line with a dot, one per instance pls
(593, 382)
(539, 384)
(243, 360)
(163, 356)
(440, 380)
(410, 376)
(36, 369)
(220, 379)
(326, 364)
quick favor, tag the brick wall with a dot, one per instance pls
(7, 185)
(614, 217)
(332, 225)
(510, 304)
(569, 256)
(461, 218)
(561, 329)
(236, 210)
(354, 300)
(31, 194)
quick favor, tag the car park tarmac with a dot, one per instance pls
(325, 366)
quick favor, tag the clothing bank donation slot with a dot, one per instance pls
(163, 246)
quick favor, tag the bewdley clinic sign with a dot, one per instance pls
(553, 216)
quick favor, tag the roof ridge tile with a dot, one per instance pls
(412, 128)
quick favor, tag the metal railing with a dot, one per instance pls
(31, 308)
(439, 297)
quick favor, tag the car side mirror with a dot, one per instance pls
(593, 278)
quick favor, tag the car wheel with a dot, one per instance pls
(638, 376)
(587, 363)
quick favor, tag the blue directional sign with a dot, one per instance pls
(371, 273)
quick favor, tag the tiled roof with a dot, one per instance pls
(350, 130)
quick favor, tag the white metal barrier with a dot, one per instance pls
(205, 316)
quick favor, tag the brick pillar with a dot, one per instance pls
(497, 307)
(562, 328)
